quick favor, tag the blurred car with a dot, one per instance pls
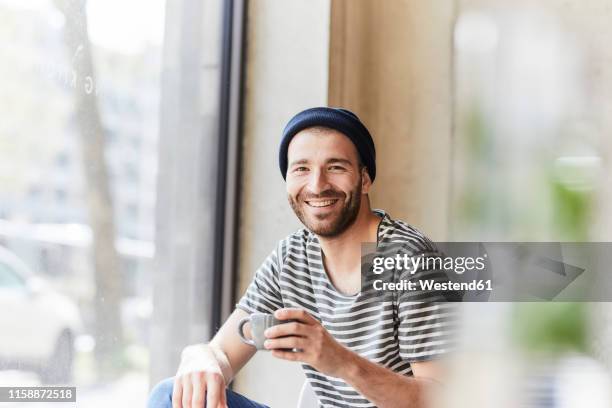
(38, 325)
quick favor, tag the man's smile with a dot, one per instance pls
(321, 203)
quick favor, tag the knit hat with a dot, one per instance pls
(342, 120)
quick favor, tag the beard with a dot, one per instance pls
(334, 223)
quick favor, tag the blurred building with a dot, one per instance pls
(46, 185)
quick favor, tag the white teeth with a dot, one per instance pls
(321, 203)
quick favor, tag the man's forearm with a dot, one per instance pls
(224, 364)
(383, 387)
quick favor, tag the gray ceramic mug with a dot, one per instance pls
(259, 323)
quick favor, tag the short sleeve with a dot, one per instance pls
(263, 294)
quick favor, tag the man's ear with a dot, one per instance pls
(366, 183)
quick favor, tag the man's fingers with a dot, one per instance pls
(291, 342)
(199, 389)
(214, 388)
(177, 393)
(295, 314)
(191, 390)
(287, 329)
(223, 399)
(289, 355)
(187, 391)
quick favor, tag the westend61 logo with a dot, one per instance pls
(429, 273)
(412, 264)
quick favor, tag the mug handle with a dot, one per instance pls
(241, 324)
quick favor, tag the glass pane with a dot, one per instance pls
(530, 165)
(529, 139)
(79, 97)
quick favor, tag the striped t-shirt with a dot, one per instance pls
(392, 332)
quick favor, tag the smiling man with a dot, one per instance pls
(356, 352)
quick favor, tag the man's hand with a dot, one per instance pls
(206, 369)
(315, 346)
(199, 378)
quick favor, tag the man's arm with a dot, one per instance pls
(228, 342)
(206, 369)
(316, 347)
(388, 389)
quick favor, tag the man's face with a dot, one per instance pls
(324, 180)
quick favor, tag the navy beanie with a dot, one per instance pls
(342, 120)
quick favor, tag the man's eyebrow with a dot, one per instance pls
(339, 160)
(328, 161)
(301, 161)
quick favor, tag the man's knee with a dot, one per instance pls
(161, 395)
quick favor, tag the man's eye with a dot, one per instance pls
(336, 168)
(300, 169)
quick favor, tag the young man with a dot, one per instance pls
(355, 352)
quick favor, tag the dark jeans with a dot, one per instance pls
(161, 397)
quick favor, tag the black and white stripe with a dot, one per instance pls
(392, 332)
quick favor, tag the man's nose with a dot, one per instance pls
(317, 183)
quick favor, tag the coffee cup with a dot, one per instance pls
(259, 323)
